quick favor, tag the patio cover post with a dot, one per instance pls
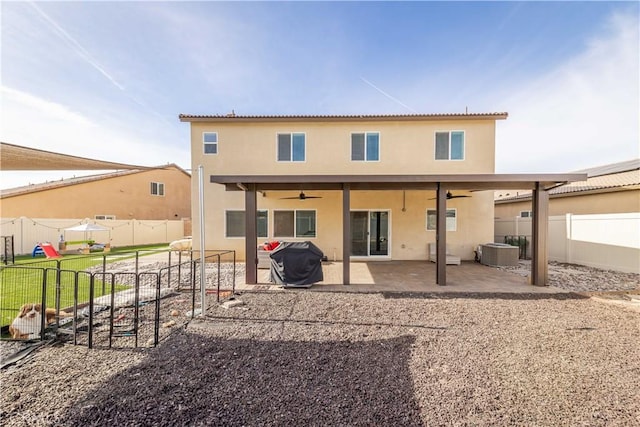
(540, 233)
(441, 236)
(251, 235)
(346, 234)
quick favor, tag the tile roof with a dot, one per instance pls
(33, 188)
(232, 117)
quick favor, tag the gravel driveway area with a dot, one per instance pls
(298, 358)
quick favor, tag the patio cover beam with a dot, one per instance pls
(398, 182)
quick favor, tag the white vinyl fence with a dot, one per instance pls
(607, 241)
(28, 232)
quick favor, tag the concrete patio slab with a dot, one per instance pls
(413, 276)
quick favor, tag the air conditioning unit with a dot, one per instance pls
(499, 255)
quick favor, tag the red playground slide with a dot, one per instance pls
(49, 250)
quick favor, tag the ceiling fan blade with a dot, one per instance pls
(451, 196)
(302, 196)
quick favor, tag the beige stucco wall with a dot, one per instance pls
(408, 234)
(619, 201)
(126, 197)
(406, 147)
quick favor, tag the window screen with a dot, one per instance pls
(442, 145)
(284, 147)
(283, 225)
(357, 146)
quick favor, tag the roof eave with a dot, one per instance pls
(342, 118)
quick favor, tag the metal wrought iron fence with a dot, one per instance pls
(114, 304)
(521, 242)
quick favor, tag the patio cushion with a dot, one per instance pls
(451, 259)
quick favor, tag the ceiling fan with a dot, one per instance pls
(451, 196)
(302, 196)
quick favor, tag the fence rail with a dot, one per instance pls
(124, 300)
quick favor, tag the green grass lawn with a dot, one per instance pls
(24, 284)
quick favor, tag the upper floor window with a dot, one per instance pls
(210, 141)
(526, 214)
(450, 145)
(451, 225)
(157, 189)
(291, 147)
(104, 217)
(365, 146)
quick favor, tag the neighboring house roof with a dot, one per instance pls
(34, 188)
(376, 117)
(612, 168)
(16, 157)
(615, 176)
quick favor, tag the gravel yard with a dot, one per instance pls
(316, 358)
(579, 278)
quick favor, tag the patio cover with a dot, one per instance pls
(18, 158)
(540, 184)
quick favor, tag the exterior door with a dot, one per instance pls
(369, 233)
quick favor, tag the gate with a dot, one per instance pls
(8, 254)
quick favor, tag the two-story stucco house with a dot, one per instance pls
(374, 187)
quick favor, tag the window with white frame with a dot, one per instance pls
(210, 142)
(450, 145)
(526, 214)
(235, 225)
(294, 223)
(104, 217)
(157, 189)
(450, 218)
(365, 146)
(291, 147)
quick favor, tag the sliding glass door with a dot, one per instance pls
(370, 233)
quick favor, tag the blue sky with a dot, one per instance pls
(108, 79)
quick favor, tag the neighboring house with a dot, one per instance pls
(365, 186)
(613, 188)
(162, 193)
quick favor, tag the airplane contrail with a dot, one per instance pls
(77, 47)
(387, 95)
(84, 54)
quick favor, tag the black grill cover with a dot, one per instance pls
(296, 264)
